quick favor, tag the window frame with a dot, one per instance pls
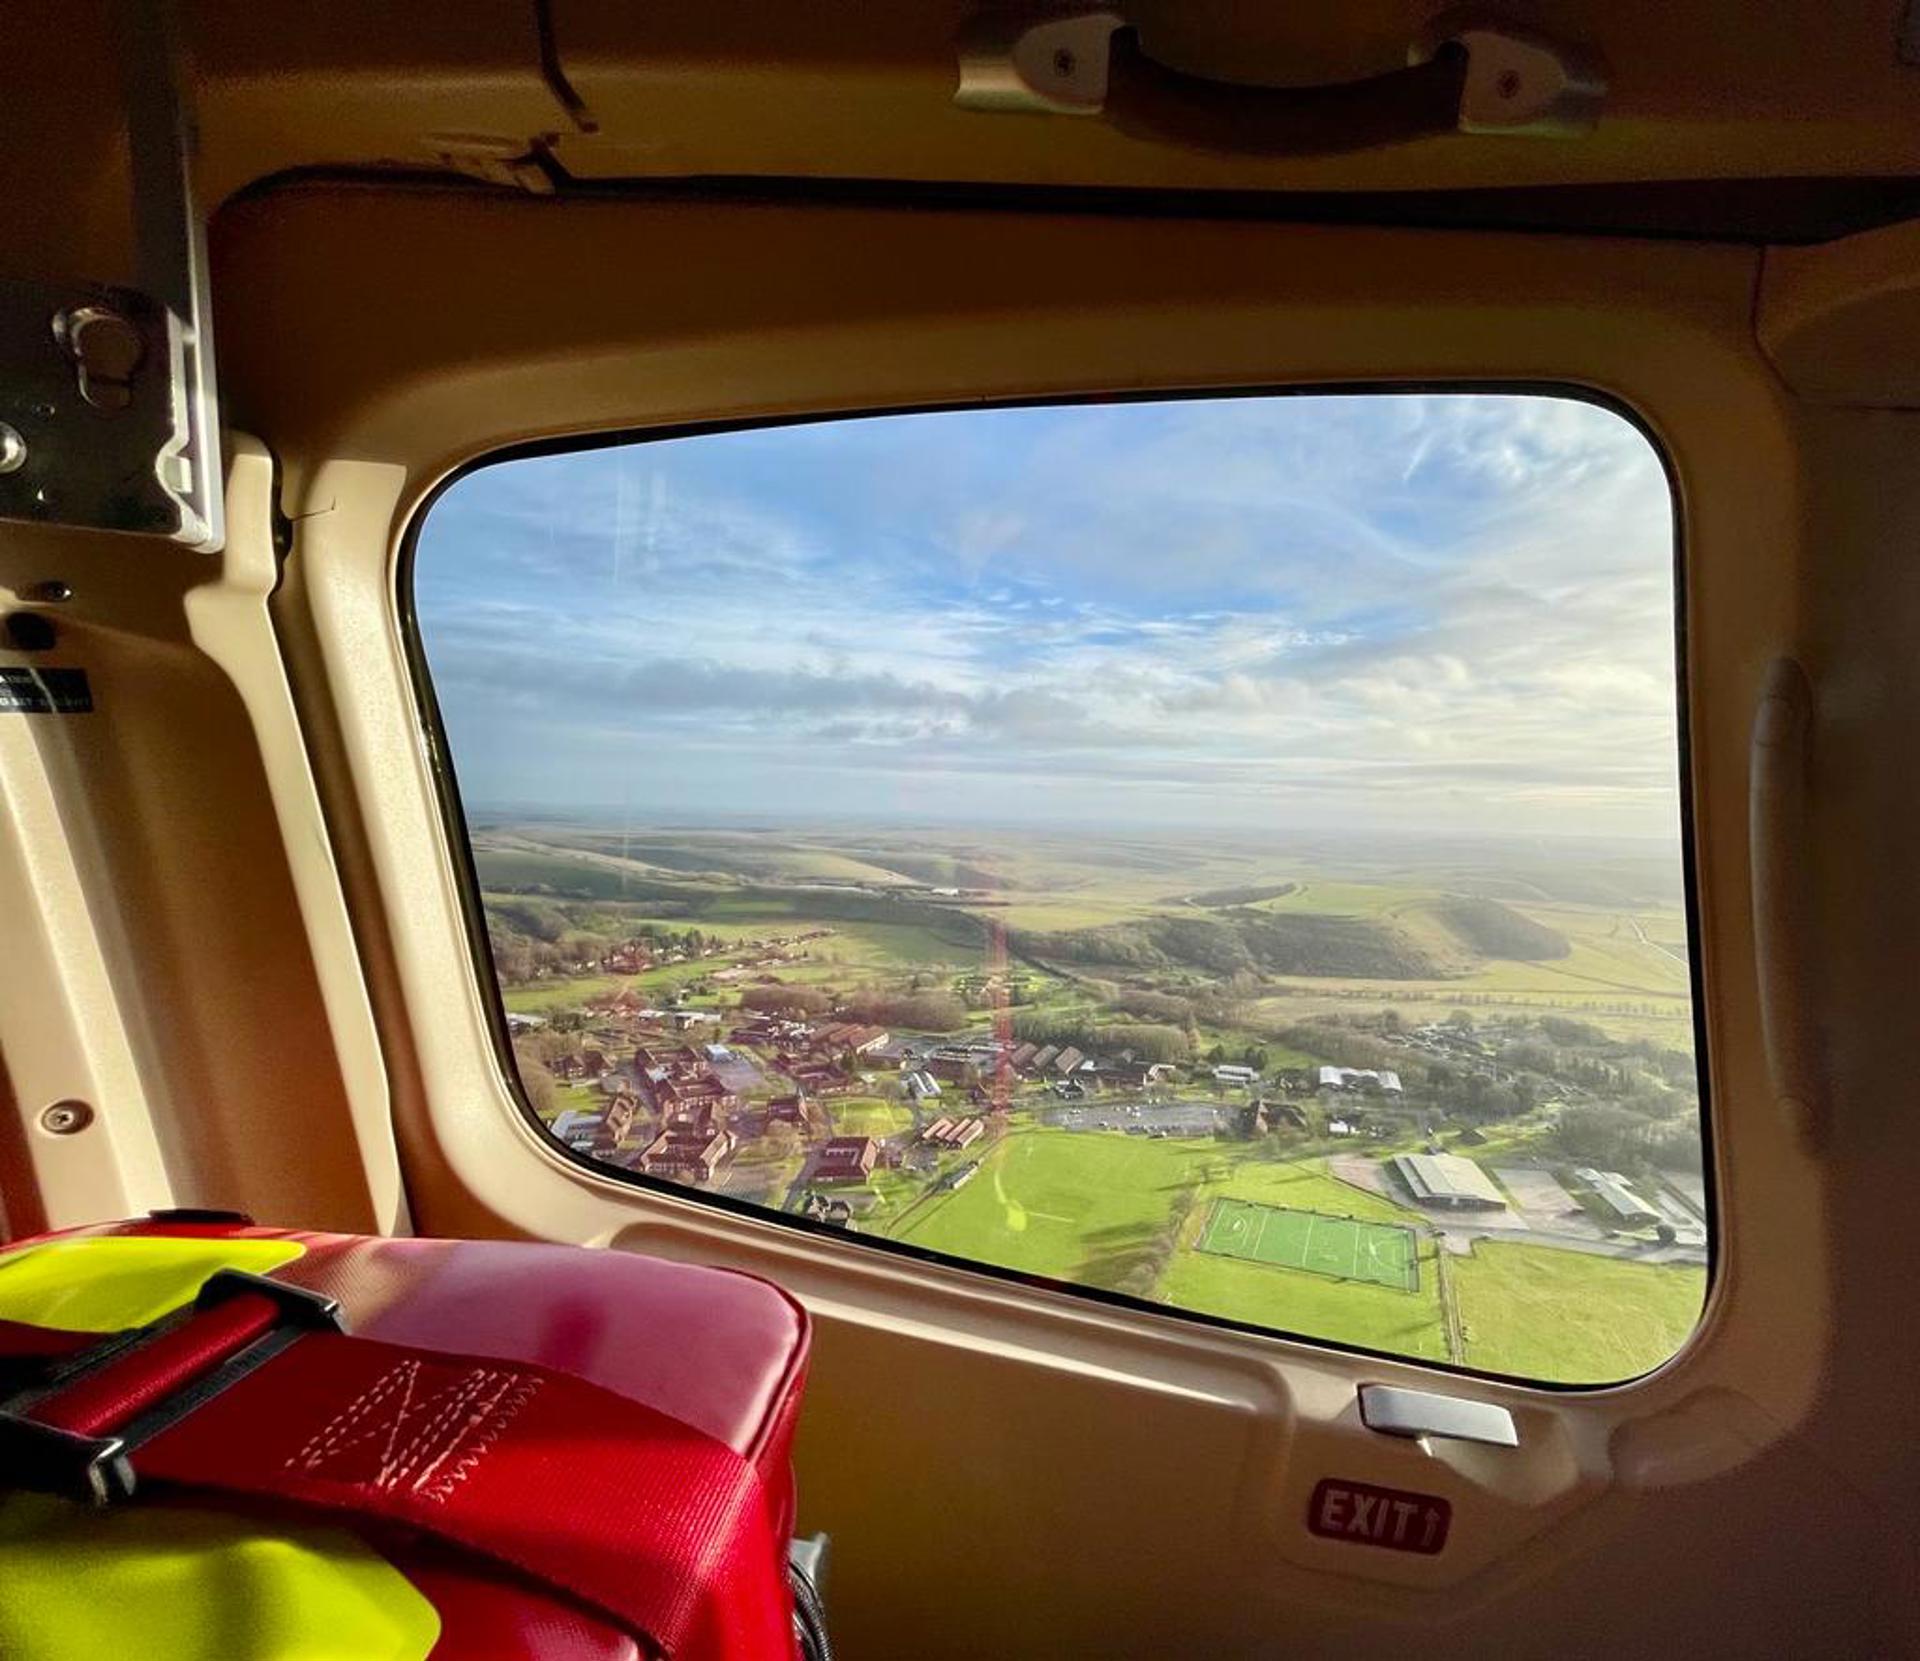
(454, 827)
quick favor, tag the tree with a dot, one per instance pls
(787, 1000)
(923, 1011)
(538, 1084)
(513, 958)
(1604, 1133)
(1677, 1145)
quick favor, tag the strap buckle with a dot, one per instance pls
(97, 1469)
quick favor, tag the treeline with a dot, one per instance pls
(1613, 1135)
(1084, 1030)
(787, 1000)
(919, 1011)
(1254, 943)
(1340, 1044)
(1243, 896)
(532, 938)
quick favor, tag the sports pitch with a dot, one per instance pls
(1383, 1253)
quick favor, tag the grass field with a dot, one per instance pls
(1570, 1316)
(1221, 1227)
(1066, 1204)
(1339, 1247)
(1108, 1211)
(1304, 1185)
(1347, 1312)
(1147, 1217)
(868, 1116)
(884, 945)
(541, 996)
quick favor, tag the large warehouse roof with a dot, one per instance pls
(1617, 1197)
(1448, 1178)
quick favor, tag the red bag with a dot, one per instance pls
(568, 1453)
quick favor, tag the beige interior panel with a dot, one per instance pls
(233, 930)
(159, 966)
(683, 312)
(844, 89)
(1828, 313)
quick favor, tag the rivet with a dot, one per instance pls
(64, 1118)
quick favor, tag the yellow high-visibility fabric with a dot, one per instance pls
(105, 1282)
(145, 1582)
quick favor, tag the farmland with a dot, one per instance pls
(1548, 1314)
(904, 993)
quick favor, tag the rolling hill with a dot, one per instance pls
(1442, 938)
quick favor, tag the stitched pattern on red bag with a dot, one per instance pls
(417, 1429)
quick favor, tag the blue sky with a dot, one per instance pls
(1386, 611)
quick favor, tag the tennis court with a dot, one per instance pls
(1341, 1247)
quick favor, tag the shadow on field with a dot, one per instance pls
(1121, 1257)
(1131, 1257)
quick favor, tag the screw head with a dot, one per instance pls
(1065, 63)
(13, 449)
(64, 1118)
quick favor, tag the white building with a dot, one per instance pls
(1358, 1078)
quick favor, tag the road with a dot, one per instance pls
(1637, 1250)
(1640, 934)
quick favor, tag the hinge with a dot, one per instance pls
(109, 418)
(519, 163)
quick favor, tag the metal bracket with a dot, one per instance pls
(518, 163)
(1520, 83)
(109, 418)
(1050, 65)
(1517, 83)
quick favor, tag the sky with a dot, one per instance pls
(1395, 612)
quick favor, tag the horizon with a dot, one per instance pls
(485, 816)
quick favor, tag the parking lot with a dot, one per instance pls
(1142, 1118)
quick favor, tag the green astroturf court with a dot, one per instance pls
(1383, 1253)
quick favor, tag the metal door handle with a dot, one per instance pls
(1417, 1413)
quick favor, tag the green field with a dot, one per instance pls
(1096, 1209)
(1151, 1218)
(886, 945)
(869, 1116)
(539, 997)
(1312, 1306)
(1304, 1185)
(1198, 935)
(1570, 1316)
(1119, 1212)
(1381, 1253)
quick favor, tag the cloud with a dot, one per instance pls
(1442, 609)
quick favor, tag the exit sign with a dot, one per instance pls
(1364, 1515)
